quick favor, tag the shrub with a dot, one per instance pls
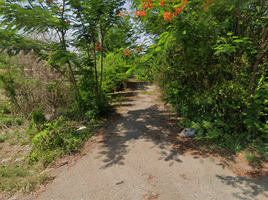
(56, 139)
(10, 121)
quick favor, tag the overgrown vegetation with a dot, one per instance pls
(59, 69)
(58, 138)
(62, 63)
(210, 58)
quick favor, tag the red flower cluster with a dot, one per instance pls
(167, 16)
(138, 49)
(140, 13)
(147, 4)
(124, 14)
(97, 46)
(178, 10)
(127, 52)
(162, 3)
(207, 3)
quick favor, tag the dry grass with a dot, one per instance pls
(37, 86)
(17, 178)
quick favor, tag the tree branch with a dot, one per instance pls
(250, 31)
(85, 37)
(31, 4)
(264, 35)
(42, 5)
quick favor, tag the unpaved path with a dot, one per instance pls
(134, 159)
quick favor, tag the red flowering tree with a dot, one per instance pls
(170, 8)
(210, 58)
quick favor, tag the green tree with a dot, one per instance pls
(210, 58)
(121, 36)
(79, 25)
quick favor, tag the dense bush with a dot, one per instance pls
(10, 121)
(56, 139)
(211, 71)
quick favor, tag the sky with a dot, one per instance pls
(142, 36)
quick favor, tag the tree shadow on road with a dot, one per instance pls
(148, 124)
(249, 188)
(156, 124)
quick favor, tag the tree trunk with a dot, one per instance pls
(101, 71)
(101, 64)
(125, 84)
(73, 80)
(255, 70)
(96, 72)
(65, 49)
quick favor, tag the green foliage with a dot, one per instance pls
(38, 117)
(13, 43)
(118, 98)
(10, 121)
(205, 61)
(88, 107)
(56, 139)
(260, 145)
(86, 19)
(76, 83)
(2, 139)
(4, 109)
(116, 68)
(144, 92)
(251, 158)
(121, 36)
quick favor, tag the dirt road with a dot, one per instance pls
(135, 159)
